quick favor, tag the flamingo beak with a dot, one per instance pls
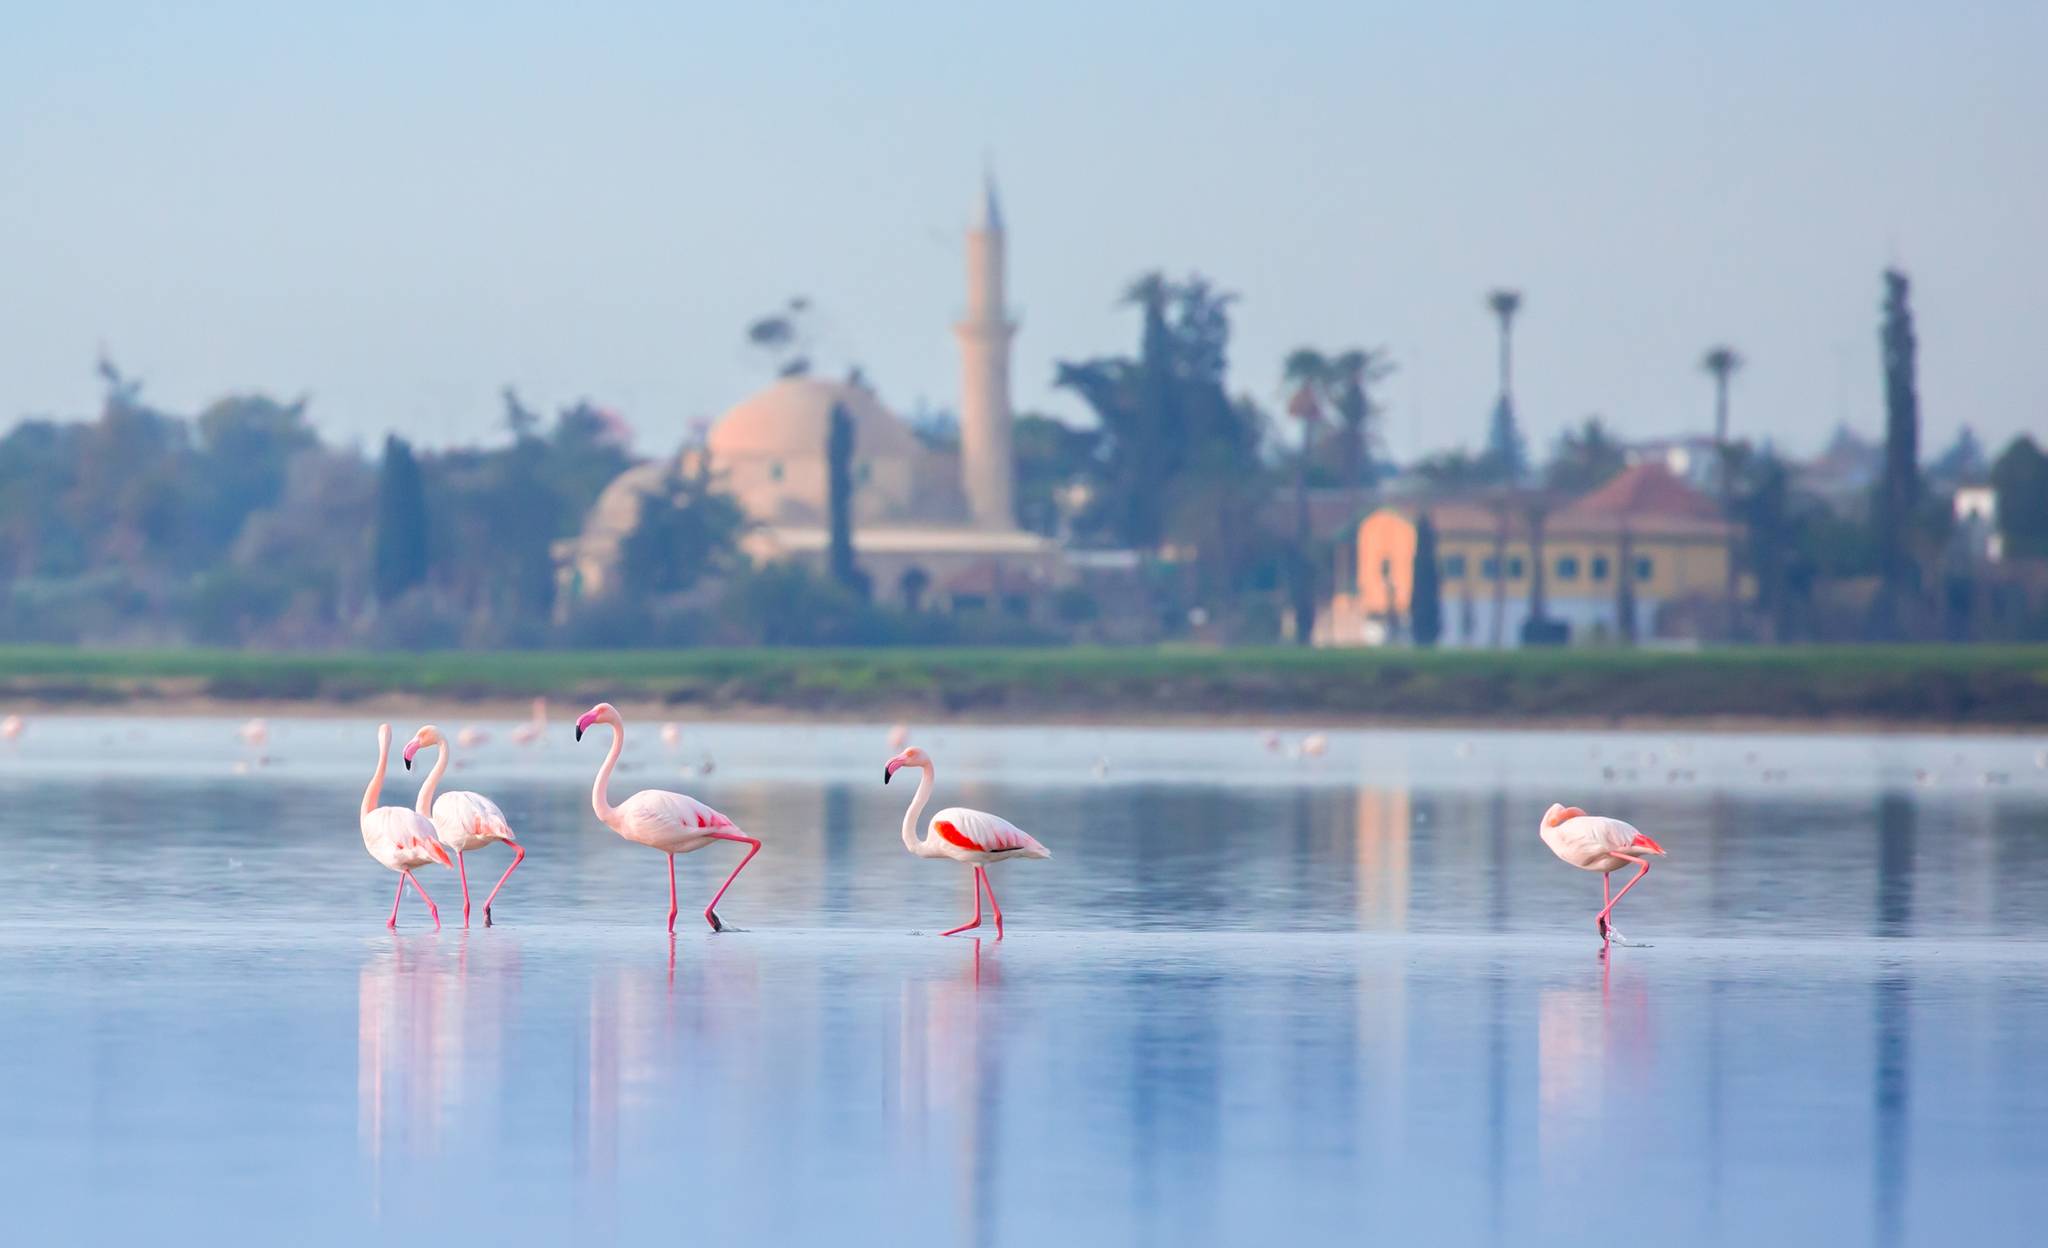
(411, 750)
(890, 770)
(579, 732)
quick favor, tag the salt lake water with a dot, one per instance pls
(1255, 996)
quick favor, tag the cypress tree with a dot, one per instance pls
(839, 486)
(1425, 593)
(1899, 493)
(400, 553)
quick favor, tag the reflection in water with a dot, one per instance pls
(1235, 1014)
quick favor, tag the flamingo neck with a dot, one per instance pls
(425, 803)
(598, 801)
(910, 817)
(376, 788)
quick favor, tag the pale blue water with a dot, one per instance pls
(1253, 996)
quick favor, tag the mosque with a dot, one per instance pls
(932, 528)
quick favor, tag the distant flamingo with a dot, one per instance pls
(536, 727)
(11, 727)
(254, 732)
(401, 839)
(670, 822)
(462, 820)
(671, 734)
(1314, 745)
(471, 736)
(974, 837)
(1596, 843)
(899, 736)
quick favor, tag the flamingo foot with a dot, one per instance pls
(487, 916)
(717, 924)
(1614, 935)
(964, 927)
(391, 923)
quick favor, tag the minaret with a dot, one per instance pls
(986, 476)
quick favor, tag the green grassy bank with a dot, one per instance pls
(1932, 686)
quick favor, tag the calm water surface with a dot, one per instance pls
(1252, 995)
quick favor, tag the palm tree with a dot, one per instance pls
(1505, 303)
(1722, 363)
(1505, 452)
(1351, 377)
(1306, 371)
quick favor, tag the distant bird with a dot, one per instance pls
(672, 734)
(899, 736)
(400, 838)
(1102, 768)
(535, 727)
(1596, 843)
(11, 727)
(1271, 740)
(462, 820)
(471, 736)
(254, 732)
(1314, 745)
(974, 837)
(670, 822)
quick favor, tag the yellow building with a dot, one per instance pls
(1666, 537)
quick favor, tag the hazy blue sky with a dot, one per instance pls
(400, 207)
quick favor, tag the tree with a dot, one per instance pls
(687, 532)
(1584, 459)
(1721, 363)
(1304, 369)
(2020, 478)
(1899, 489)
(1506, 458)
(1425, 588)
(1051, 457)
(839, 450)
(1172, 441)
(400, 559)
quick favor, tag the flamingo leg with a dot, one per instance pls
(976, 920)
(431, 907)
(518, 856)
(393, 921)
(1606, 901)
(1606, 911)
(990, 885)
(462, 869)
(753, 847)
(671, 894)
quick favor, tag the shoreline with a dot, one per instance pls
(511, 710)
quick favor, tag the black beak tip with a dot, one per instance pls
(579, 733)
(408, 764)
(886, 773)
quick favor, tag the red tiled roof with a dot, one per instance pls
(1644, 492)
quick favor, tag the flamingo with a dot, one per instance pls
(672, 734)
(11, 727)
(401, 839)
(471, 736)
(899, 736)
(670, 822)
(462, 821)
(1597, 843)
(254, 732)
(974, 837)
(533, 729)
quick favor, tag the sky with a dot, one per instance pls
(398, 209)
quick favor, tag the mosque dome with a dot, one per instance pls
(769, 452)
(792, 418)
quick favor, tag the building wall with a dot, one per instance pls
(1580, 585)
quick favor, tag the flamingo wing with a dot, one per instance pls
(977, 830)
(661, 818)
(471, 816)
(399, 837)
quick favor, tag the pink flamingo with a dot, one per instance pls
(536, 725)
(974, 837)
(401, 839)
(462, 820)
(670, 822)
(1597, 843)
